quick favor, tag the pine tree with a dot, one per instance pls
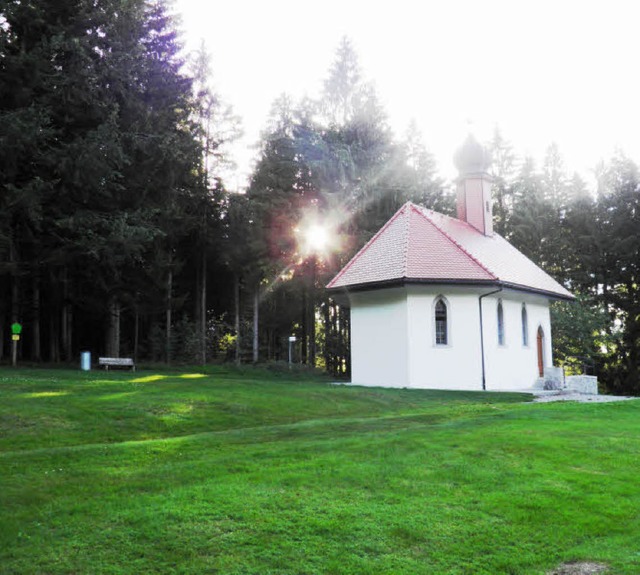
(619, 197)
(581, 255)
(502, 172)
(529, 222)
(332, 160)
(343, 90)
(100, 160)
(417, 173)
(555, 192)
(554, 180)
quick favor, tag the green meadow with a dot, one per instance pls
(249, 472)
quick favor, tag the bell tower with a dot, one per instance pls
(474, 204)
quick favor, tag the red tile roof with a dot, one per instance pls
(421, 245)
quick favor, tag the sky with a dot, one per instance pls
(563, 71)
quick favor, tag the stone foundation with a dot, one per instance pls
(582, 384)
(555, 380)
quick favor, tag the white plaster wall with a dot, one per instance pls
(514, 365)
(393, 339)
(379, 351)
(456, 365)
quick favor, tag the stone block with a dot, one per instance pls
(582, 384)
(553, 378)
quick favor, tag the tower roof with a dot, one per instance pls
(472, 157)
(422, 246)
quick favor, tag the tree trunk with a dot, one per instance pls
(14, 316)
(113, 331)
(67, 317)
(256, 312)
(236, 297)
(68, 342)
(64, 327)
(167, 344)
(336, 326)
(346, 319)
(36, 353)
(203, 309)
(54, 341)
(305, 329)
(311, 321)
(15, 294)
(328, 337)
(15, 289)
(136, 332)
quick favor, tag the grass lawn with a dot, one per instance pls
(253, 473)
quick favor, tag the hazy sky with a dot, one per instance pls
(560, 70)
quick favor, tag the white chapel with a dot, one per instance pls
(445, 303)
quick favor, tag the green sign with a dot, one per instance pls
(16, 328)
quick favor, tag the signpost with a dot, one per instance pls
(16, 330)
(292, 339)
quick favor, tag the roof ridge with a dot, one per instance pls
(407, 236)
(366, 246)
(454, 242)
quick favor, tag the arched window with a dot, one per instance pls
(525, 326)
(500, 323)
(441, 322)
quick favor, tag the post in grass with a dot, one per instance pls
(16, 330)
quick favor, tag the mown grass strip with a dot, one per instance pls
(431, 484)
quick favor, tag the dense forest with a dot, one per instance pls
(117, 234)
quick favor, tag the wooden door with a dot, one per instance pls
(540, 352)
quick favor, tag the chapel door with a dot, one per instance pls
(540, 341)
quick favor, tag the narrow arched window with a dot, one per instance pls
(442, 335)
(525, 326)
(500, 324)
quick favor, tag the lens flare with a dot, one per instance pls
(316, 238)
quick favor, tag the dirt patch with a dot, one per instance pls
(581, 568)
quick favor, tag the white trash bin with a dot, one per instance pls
(85, 361)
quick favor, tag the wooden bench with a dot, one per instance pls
(108, 362)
